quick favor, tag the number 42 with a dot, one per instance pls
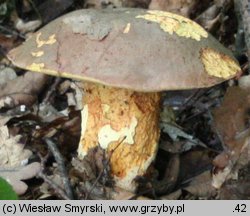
(240, 208)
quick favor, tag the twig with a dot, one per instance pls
(105, 165)
(189, 101)
(12, 32)
(216, 130)
(96, 180)
(51, 90)
(60, 161)
(35, 9)
(52, 184)
(242, 9)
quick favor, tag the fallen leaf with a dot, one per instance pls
(201, 187)
(235, 191)
(46, 189)
(117, 193)
(172, 196)
(210, 18)
(51, 9)
(7, 43)
(6, 75)
(48, 113)
(84, 168)
(23, 90)
(231, 117)
(103, 3)
(4, 119)
(231, 121)
(169, 126)
(237, 158)
(77, 96)
(244, 82)
(25, 27)
(15, 175)
(182, 7)
(12, 153)
(97, 4)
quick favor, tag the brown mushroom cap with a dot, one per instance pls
(130, 48)
(145, 51)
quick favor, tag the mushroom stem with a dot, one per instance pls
(125, 124)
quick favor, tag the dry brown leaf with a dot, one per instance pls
(64, 86)
(235, 191)
(136, 3)
(210, 18)
(117, 193)
(84, 168)
(4, 119)
(182, 7)
(78, 95)
(172, 196)
(7, 43)
(201, 186)
(232, 124)
(48, 113)
(12, 153)
(29, 26)
(223, 3)
(231, 117)
(237, 158)
(6, 75)
(116, 3)
(68, 129)
(45, 188)
(244, 82)
(51, 9)
(23, 90)
(103, 3)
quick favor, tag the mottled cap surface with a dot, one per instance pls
(129, 48)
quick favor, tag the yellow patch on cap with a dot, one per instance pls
(37, 54)
(38, 67)
(40, 43)
(127, 28)
(218, 64)
(173, 23)
(41, 68)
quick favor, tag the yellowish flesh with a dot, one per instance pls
(218, 65)
(51, 40)
(125, 124)
(127, 28)
(37, 54)
(108, 135)
(173, 23)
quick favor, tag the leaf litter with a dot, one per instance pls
(55, 119)
(14, 165)
(232, 123)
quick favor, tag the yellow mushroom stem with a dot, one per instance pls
(125, 124)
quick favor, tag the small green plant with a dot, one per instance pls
(6, 191)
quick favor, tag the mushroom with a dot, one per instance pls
(126, 58)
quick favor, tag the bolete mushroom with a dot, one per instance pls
(126, 57)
